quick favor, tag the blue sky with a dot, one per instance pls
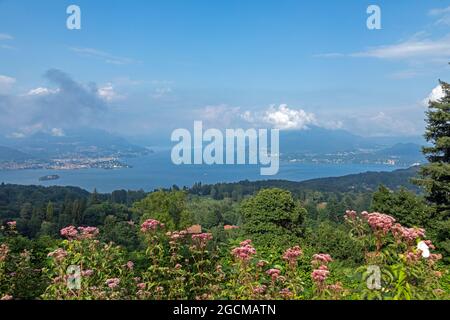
(147, 67)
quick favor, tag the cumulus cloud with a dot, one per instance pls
(108, 93)
(282, 117)
(435, 95)
(43, 109)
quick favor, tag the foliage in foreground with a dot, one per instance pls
(179, 265)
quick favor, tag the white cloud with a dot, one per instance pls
(41, 91)
(6, 83)
(101, 55)
(282, 117)
(404, 74)
(443, 15)
(7, 47)
(161, 92)
(419, 46)
(57, 132)
(435, 95)
(108, 93)
(413, 48)
(27, 130)
(5, 36)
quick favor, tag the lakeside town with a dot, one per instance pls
(107, 163)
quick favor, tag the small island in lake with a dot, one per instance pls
(49, 177)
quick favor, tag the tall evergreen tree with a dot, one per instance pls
(435, 176)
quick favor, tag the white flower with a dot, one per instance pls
(422, 246)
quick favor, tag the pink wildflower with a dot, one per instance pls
(11, 224)
(407, 234)
(87, 273)
(59, 254)
(321, 259)
(291, 255)
(141, 286)
(430, 244)
(112, 283)
(286, 293)
(273, 273)
(337, 287)
(260, 289)
(69, 232)
(130, 265)
(380, 222)
(261, 263)
(87, 232)
(202, 239)
(320, 275)
(245, 251)
(151, 225)
(4, 250)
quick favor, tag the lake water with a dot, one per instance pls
(156, 170)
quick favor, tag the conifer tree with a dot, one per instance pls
(435, 176)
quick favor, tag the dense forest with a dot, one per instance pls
(316, 239)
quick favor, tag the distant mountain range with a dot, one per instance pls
(320, 141)
(10, 154)
(80, 143)
(99, 143)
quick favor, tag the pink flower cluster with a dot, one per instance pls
(320, 274)
(337, 287)
(176, 235)
(11, 224)
(433, 258)
(130, 265)
(151, 225)
(291, 255)
(59, 255)
(413, 256)
(380, 222)
(286, 293)
(245, 251)
(112, 283)
(321, 259)
(274, 273)
(430, 244)
(87, 273)
(202, 239)
(4, 250)
(407, 234)
(81, 233)
(69, 232)
(260, 289)
(350, 215)
(88, 232)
